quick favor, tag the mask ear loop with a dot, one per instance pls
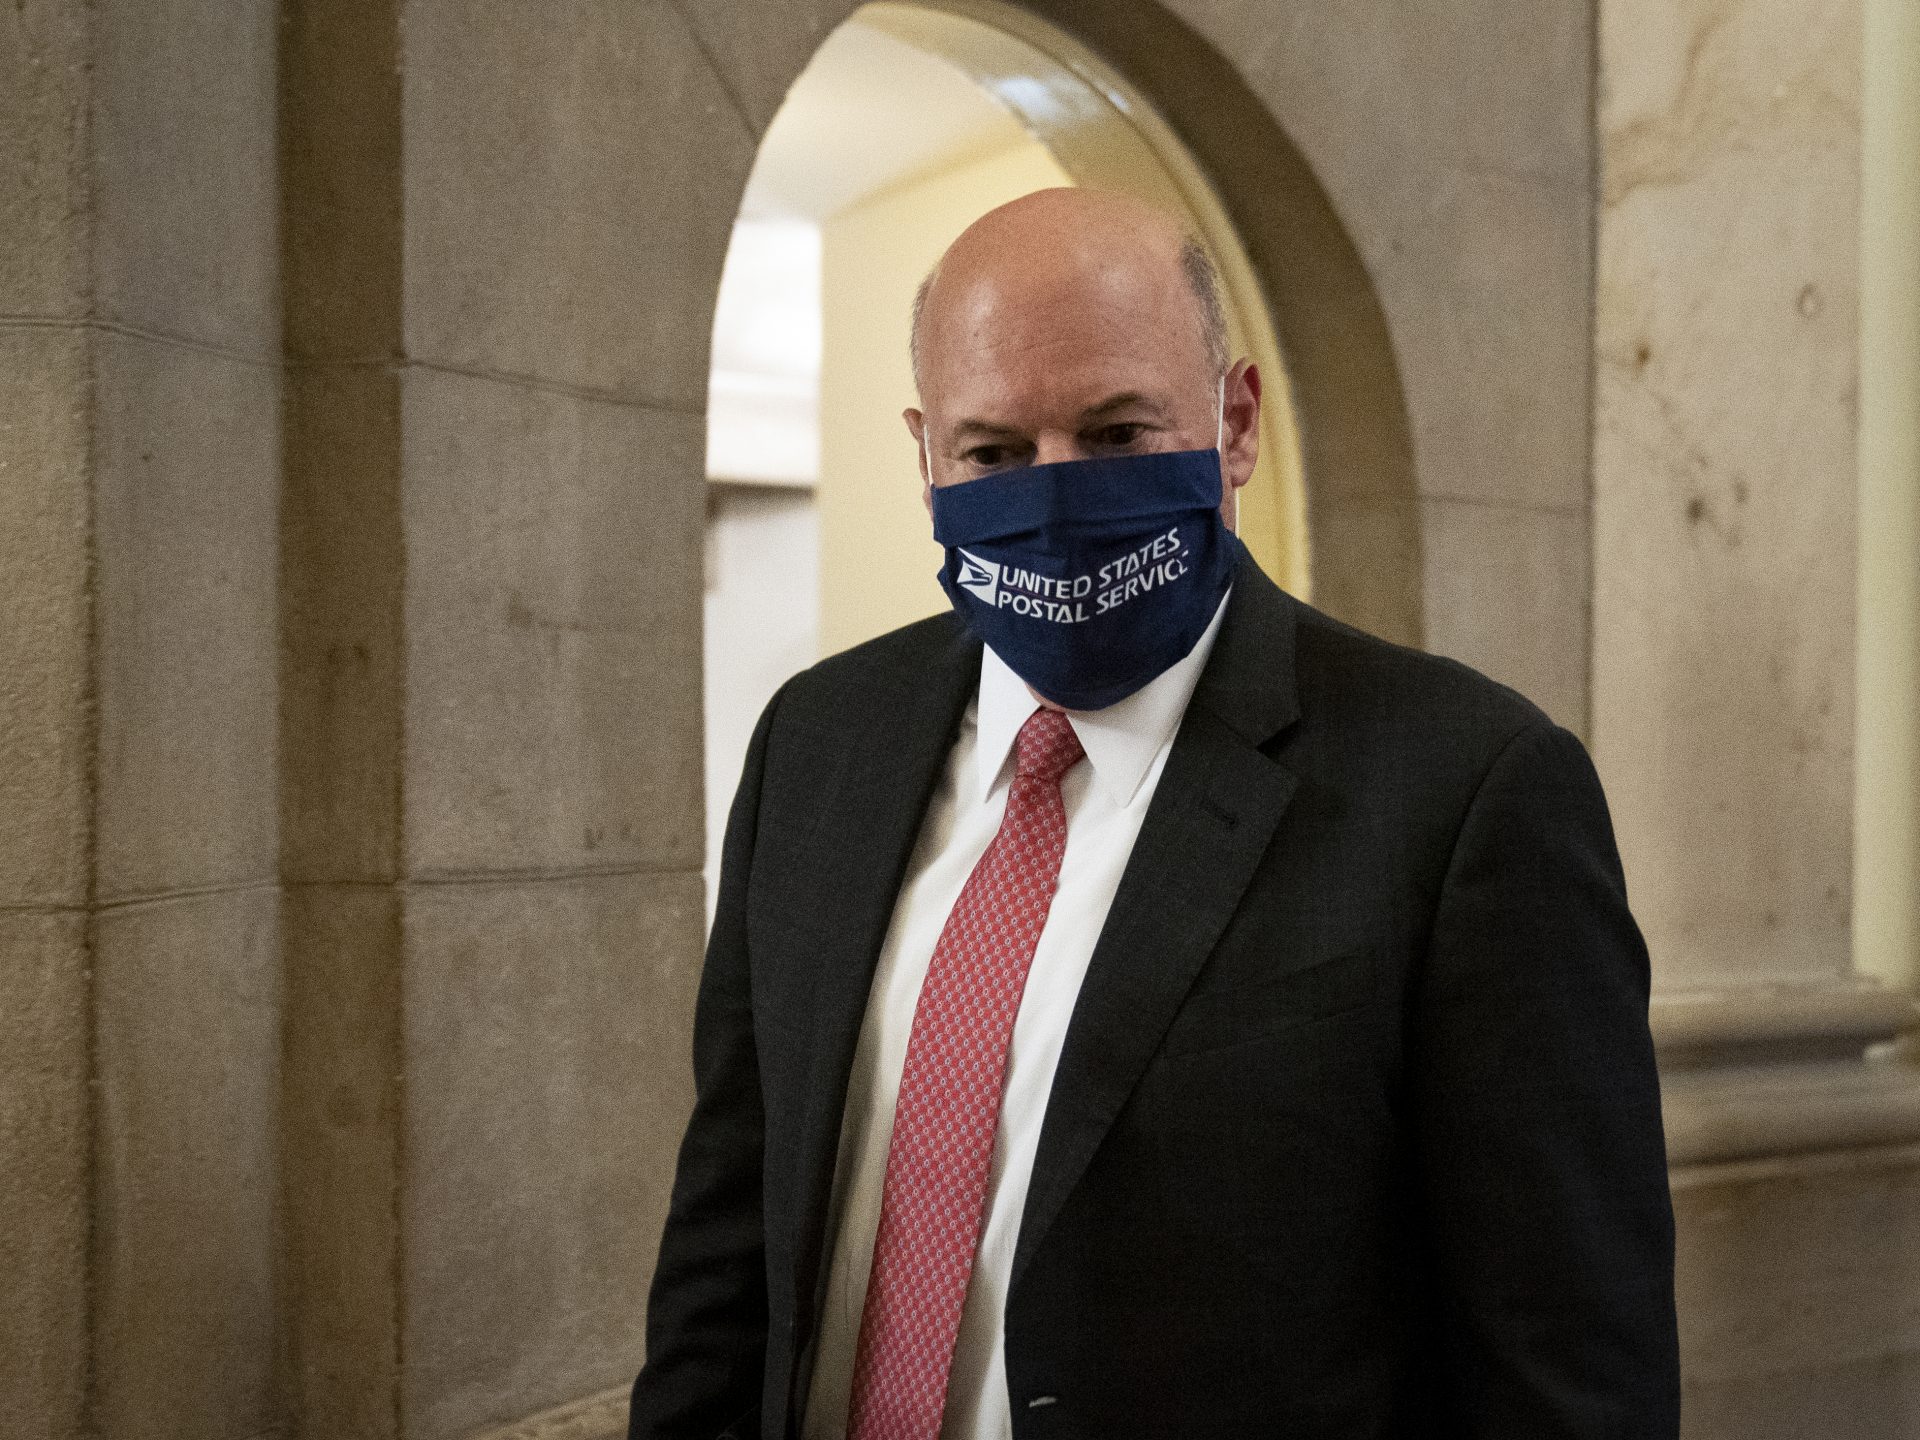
(1220, 449)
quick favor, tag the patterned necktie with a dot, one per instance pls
(934, 1196)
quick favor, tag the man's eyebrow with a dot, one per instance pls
(1125, 400)
(983, 429)
(975, 429)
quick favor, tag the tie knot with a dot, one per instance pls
(1046, 747)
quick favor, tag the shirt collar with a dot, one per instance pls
(1121, 741)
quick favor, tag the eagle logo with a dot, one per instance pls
(981, 577)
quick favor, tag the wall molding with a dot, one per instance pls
(600, 1416)
(1748, 1112)
(1830, 1019)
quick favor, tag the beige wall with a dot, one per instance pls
(140, 430)
(877, 556)
(334, 1098)
(490, 695)
(1887, 792)
(762, 624)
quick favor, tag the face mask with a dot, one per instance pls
(1089, 578)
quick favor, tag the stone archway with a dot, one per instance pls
(1362, 519)
(1418, 206)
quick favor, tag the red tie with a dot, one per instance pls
(941, 1153)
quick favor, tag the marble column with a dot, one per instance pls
(1726, 336)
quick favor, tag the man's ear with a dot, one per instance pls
(1241, 413)
(917, 427)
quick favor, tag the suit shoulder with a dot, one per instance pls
(1360, 679)
(874, 668)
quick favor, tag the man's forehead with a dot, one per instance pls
(999, 295)
(1058, 378)
(1091, 335)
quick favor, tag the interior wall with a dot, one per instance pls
(877, 556)
(140, 422)
(1455, 144)
(46, 687)
(504, 229)
(762, 619)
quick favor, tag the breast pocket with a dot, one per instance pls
(1237, 1014)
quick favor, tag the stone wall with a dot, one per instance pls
(498, 290)
(1727, 333)
(139, 449)
(352, 371)
(351, 897)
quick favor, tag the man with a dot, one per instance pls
(1180, 1015)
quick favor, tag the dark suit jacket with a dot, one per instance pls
(1356, 1131)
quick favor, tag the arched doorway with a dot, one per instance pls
(910, 121)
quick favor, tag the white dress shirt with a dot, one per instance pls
(1106, 798)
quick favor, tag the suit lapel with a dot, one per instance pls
(1213, 813)
(894, 753)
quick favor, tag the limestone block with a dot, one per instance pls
(43, 1173)
(340, 79)
(547, 1086)
(1451, 149)
(184, 177)
(341, 1153)
(554, 586)
(187, 489)
(1393, 91)
(1367, 567)
(45, 220)
(343, 561)
(1783, 1104)
(551, 232)
(760, 50)
(1799, 1311)
(1724, 508)
(1874, 1399)
(1505, 592)
(1490, 321)
(45, 644)
(187, 993)
(595, 1417)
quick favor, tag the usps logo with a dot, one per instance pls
(982, 577)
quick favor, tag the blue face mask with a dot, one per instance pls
(1089, 578)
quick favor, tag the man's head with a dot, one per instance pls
(1069, 324)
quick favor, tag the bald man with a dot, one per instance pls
(1137, 1004)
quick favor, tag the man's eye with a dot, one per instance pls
(987, 457)
(1118, 436)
